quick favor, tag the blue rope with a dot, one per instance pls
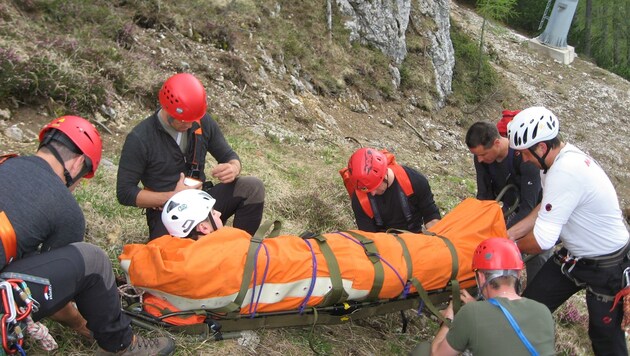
(420, 307)
(515, 326)
(253, 313)
(313, 278)
(19, 349)
(402, 282)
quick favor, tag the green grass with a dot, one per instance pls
(57, 72)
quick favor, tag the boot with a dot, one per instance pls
(144, 346)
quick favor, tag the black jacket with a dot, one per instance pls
(151, 156)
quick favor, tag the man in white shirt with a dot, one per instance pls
(580, 207)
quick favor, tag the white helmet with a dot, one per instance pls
(531, 126)
(185, 210)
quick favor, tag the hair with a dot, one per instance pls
(482, 133)
(64, 151)
(498, 278)
(554, 142)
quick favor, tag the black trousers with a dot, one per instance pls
(81, 272)
(244, 199)
(552, 288)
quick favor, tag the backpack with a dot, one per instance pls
(368, 207)
(507, 116)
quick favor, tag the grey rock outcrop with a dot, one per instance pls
(383, 24)
(380, 23)
(441, 50)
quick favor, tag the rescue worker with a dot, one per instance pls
(166, 152)
(42, 229)
(380, 187)
(580, 207)
(484, 327)
(498, 168)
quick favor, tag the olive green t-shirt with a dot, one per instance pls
(483, 329)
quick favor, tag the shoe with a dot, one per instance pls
(144, 346)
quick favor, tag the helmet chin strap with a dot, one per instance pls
(541, 160)
(212, 222)
(480, 295)
(69, 179)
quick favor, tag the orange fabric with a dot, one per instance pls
(158, 307)
(7, 235)
(399, 173)
(207, 273)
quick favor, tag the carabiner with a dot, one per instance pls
(625, 281)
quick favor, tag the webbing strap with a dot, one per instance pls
(372, 253)
(250, 261)
(457, 303)
(427, 301)
(406, 254)
(337, 294)
(197, 151)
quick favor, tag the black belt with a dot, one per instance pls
(608, 260)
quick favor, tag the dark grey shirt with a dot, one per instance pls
(41, 209)
(150, 155)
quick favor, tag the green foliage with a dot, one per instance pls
(466, 83)
(39, 79)
(608, 36)
(497, 10)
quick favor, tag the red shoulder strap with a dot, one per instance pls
(5, 157)
(399, 172)
(7, 237)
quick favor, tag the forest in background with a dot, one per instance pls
(600, 30)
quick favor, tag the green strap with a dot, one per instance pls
(337, 294)
(264, 227)
(406, 255)
(422, 293)
(457, 303)
(427, 301)
(372, 253)
(248, 270)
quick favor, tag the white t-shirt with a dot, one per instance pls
(580, 206)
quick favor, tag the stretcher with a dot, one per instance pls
(232, 281)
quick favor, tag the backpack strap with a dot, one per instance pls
(5, 157)
(7, 236)
(197, 151)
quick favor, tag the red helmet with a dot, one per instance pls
(497, 254)
(367, 168)
(183, 97)
(82, 133)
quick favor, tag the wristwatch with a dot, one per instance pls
(449, 322)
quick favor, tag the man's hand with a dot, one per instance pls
(227, 172)
(183, 186)
(466, 297)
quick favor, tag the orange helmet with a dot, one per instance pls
(183, 97)
(497, 254)
(81, 133)
(367, 168)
